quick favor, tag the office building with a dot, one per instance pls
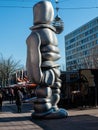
(81, 47)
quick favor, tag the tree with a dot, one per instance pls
(92, 60)
(7, 68)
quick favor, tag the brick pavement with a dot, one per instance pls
(85, 119)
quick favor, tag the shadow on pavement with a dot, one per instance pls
(14, 119)
(26, 107)
(81, 122)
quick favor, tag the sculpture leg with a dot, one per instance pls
(55, 98)
(57, 112)
(45, 107)
(42, 106)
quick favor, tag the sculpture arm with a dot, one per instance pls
(34, 58)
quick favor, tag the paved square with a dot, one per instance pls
(80, 119)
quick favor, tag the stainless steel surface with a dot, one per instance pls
(42, 54)
(43, 12)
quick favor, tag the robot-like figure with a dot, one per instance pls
(42, 69)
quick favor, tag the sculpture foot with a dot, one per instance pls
(52, 114)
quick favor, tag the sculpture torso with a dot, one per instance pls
(47, 36)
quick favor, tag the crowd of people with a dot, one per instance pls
(16, 95)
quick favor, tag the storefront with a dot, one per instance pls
(80, 88)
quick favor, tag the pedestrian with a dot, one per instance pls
(19, 98)
(11, 95)
(1, 99)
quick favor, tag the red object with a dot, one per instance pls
(31, 85)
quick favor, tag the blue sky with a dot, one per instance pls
(16, 17)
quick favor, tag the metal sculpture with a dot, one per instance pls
(42, 69)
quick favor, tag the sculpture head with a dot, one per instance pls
(43, 13)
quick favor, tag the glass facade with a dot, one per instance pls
(80, 46)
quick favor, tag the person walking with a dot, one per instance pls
(11, 95)
(1, 99)
(19, 98)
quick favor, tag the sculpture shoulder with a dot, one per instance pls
(33, 37)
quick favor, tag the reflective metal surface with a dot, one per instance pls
(42, 54)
